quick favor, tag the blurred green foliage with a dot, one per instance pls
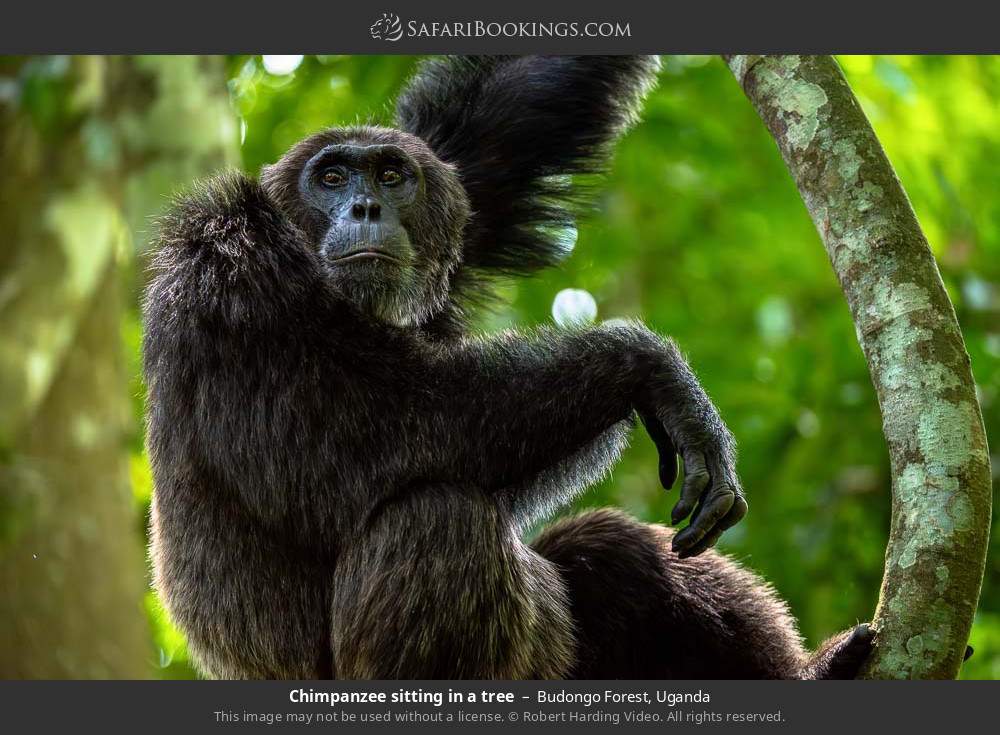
(699, 231)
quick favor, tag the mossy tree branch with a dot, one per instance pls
(941, 493)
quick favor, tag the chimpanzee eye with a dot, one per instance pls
(332, 177)
(389, 176)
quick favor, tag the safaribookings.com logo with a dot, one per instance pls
(387, 28)
(390, 28)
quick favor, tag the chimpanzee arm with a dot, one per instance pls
(505, 408)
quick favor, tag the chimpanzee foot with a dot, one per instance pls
(842, 656)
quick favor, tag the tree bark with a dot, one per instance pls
(91, 146)
(906, 325)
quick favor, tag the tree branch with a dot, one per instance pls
(941, 486)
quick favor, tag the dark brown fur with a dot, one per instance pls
(343, 476)
(634, 602)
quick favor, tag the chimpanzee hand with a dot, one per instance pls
(678, 415)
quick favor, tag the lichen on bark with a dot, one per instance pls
(906, 326)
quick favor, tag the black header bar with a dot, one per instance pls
(508, 26)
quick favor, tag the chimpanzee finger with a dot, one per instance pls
(734, 516)
(668, 467)
(696, 479)
(736, 513)
(665, 447)
(712, 508)
(707, 542)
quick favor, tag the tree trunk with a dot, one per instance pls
(91, 146)
(941, 491)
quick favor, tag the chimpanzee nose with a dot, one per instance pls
(366, 209)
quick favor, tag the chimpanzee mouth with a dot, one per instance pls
(365, 255)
